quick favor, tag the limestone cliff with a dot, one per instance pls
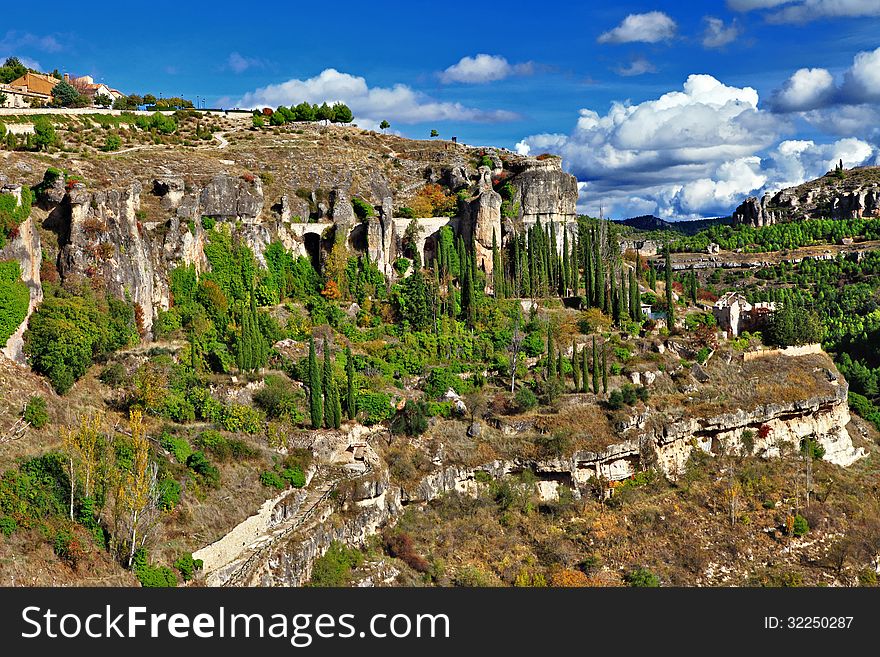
(25, 248)
(851, 194)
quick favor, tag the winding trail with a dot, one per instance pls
(230, 560)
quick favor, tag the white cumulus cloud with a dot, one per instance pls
(691, 152)
(484, 68)
(718, 34)
(399, 104)
(806, 89)
(804, 11)
(651, 27)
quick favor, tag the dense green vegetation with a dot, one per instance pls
(304, 112)
(70, 330)
(779, 236)
(13, 213)
(14, 299)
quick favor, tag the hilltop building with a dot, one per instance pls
(735, 314)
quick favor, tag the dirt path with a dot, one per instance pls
(221, 137)
(228, 559)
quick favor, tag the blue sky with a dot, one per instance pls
(673, 108)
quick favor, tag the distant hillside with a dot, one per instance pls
(649, 222)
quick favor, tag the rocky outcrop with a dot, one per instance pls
(25, 248)
(543, 190)
(855, 194)
(482, 221)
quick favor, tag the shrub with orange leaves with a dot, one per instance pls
(331, 291)
(569, 578)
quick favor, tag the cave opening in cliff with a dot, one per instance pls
(312, 242)
(357, 239)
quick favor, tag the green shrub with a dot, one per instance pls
(239, 418)
(411, 419)
(334, 567)
(7, 525)
(525, 399)
(811, 448)
(294, 477)
(177, 445)
(152, 576)
(208, 223)
(112, 143)
(188, 566)
(35, 412)
(362, 209)
(375, 407)
(114, 375)
(439, 381)
(199, 463)
(800, 527)
(272, 479)
(641, 577)
(169, 494)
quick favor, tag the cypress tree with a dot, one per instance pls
(604, 370)
(350, 390)
(566, 264)
(575, 367)
(451, 304)
(595, 368)
(585, 370)
(552, 253)
(636, 302)
(316, 411)
(601, 297)
(670, 306)
(693, 282)
(589, 287)
(551, 358)
(575, 266)
(615, 298)
(559, 369)
(497, 271)
(517, 267)
(332, 407)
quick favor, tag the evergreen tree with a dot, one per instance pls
(575, 267)
(670, 306)
(652, 277)
(566, 264)
(601, 299)
(575, 367)
(636, 298)
(589, 287)
(497, 271)
(350, 390)
(604, 369)
(451, 303)
(551, 357)
(560, 370)
(585, 370)
(595, 367)
(615, 297)
(332, 407)
(693, 287)
(315, 388)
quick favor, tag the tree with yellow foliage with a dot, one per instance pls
(137, 488)
(81, 448)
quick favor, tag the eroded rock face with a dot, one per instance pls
(484, 220)
(25, 248)
(544, 191)
(854, 196)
